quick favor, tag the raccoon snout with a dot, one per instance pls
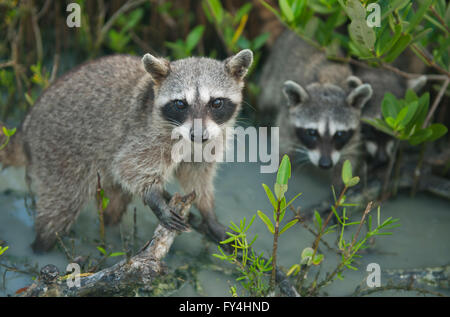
(325, 162)
(195, 137)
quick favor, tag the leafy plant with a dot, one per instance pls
(405, 118)
(279, 204)
(347, 249)
(8, 133)
(252, 267)
(119, 40)
(182, 49)
(230, 28)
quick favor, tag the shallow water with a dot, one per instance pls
(421, 241)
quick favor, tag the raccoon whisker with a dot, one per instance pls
(246, 103)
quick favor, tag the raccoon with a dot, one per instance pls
(318, 112)
(320, 123)
(378, 145)
(115, 117)
(291, 58)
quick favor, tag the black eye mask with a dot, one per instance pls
(175, 111)
(341, 138)
(309, 137)
(222, 111)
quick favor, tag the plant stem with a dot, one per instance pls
(319, 236)
(100, 211)
(275, 247)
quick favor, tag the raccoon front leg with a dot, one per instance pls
(199, 177)
(155, 199)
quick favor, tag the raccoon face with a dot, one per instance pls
(325, 119)
(379, 146)
(199, 97)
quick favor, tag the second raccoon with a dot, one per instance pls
(318, 112)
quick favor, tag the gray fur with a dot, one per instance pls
(105, 117)
(309, 91)
(379, 145)
(291, 58)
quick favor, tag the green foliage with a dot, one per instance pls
(404, 119)
(8, 133)
(3, 249)
(118, 41)
(231, 28)
(182, 49)
(109, 254)
(252, 267)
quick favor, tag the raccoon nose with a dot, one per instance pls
(325, 162)
(197, 137)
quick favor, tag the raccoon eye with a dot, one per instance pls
(217, 103)
(180, 104)
(341, 138)
(311, 132)
(341, 134)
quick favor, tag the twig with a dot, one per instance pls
(275, 247)
(436, 102)
(100, 210)
(390, 167)
(7, 64)
(433, 10)
(130, 4)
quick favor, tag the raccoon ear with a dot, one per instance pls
(295, 94)
(238, 65)
(358, 97)
(158, 68)
(353, 81)
(417, 84)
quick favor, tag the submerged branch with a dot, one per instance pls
(123, 277)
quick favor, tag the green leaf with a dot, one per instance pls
(102, 250)
(116, 254)
(438, 130)
(362, 34)
(105, 202)
(423, 7)
(270, 195)
(267, 221)
(318, 258)
(318, 219)
(293, 270)
(9, 132)
(284, 171)
(355, 10)
(307, 255)
(398, 48)
(3, 249)
(288, 225)
(194, 37)
(286, 10)
(353, 181)
(217, 10)
(280, 190)
(390, 106)
(346, 172)
(420, 136)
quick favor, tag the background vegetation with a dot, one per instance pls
(36, 47)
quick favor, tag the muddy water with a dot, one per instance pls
(421, 241)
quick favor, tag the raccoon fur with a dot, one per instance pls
(378, 145)
(318, 112)
(115, 117)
